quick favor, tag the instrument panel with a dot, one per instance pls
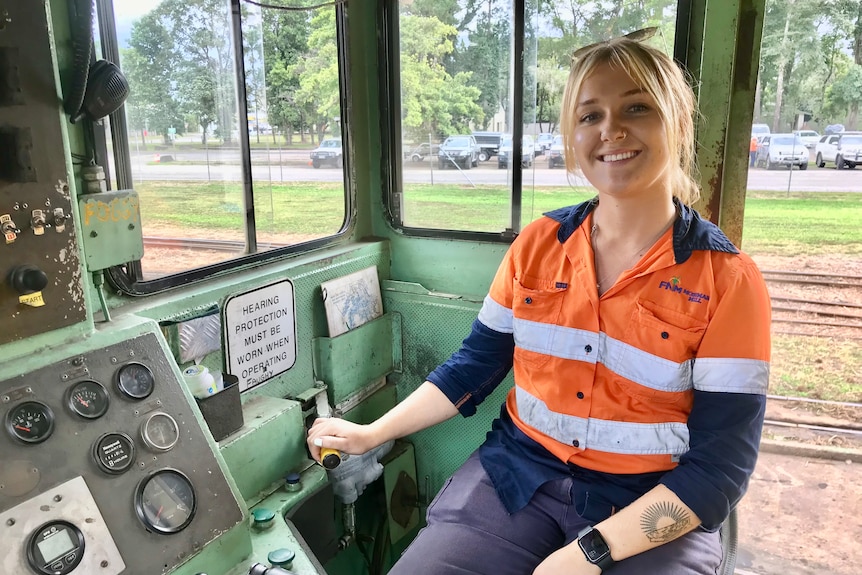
(114, 426)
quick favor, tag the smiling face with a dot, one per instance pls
(618, 136)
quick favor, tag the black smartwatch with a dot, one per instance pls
(595, 549)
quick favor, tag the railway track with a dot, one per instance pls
(815, 303)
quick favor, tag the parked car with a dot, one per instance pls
(420, 152)
(760, 130)
(556, 154)
(810, 137)
(329, 152)
(544, 141)
(782, 150)
(489, 142)
(844, 150)
(528, 151)
(461, 150)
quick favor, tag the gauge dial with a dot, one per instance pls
(165, 502)
(135, 380)
(160, 431)
(30, 422)
(88, 399)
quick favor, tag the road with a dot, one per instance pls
(293, 166)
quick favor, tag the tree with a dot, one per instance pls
(149, 63)
(285, 41)
(317, 70)
(433, 101)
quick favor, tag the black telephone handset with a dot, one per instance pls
(97, 89)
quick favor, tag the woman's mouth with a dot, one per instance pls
(618, 157)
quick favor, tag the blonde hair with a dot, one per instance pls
(662, 79)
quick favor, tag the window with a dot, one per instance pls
(483, 68)
(225, 170)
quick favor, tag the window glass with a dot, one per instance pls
(185, 122)
(457, 78)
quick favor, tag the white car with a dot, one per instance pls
(329, 152)
(810, 137)
(844, 150)
(528, 151)
(556, 154)
(782, 150)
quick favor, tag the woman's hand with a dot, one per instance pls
(340, 434)
(569, 560)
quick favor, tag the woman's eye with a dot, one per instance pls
(639, 108)
(591, 117)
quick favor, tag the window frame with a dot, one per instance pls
(127, 279)
(390, 88)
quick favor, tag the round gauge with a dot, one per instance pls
(88, 399)
(56, 548)
(165, 502)
(160, 431)
(114, 453)
(31, 422)
(136, 381)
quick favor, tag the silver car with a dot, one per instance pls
(782, 150)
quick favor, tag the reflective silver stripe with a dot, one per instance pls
(557, 341)
(645, 368)
(621, 358)
(731, 375)
(602, 435)
(496, 316)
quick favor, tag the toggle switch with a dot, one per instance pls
(8, 228)
(38, 223)
(60, 218)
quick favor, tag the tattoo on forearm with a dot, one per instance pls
(663, 522)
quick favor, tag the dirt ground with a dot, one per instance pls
(801, 516)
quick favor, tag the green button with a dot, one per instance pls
(281, 557)
(262, 515)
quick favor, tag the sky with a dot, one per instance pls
(127, 12)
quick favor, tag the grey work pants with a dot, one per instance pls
(469, 531)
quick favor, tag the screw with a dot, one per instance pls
(103, 564)
(132, 353)
(113, 360)
(6, 399)
(131, 226)
(58, 498)
(93, 234)
(29, 390)
(10, 522)
(64, 377)
(47, 203)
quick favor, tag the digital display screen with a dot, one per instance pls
(55, 546)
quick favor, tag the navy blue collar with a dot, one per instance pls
(690, 231)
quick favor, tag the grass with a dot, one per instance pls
(776, 223)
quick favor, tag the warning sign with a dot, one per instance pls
(260, 333)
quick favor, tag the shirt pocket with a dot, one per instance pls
(536, 308)
(655, 365)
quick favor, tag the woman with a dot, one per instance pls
(639, 337)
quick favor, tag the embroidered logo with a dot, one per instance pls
(675, 285)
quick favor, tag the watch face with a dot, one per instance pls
(594, 546)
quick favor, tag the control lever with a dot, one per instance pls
(261, 569)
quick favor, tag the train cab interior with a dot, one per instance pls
(183, 292)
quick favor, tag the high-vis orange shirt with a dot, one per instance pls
(609, 384)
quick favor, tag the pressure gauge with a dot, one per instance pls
(30, 422)
(160, 431)
(88, 399)
(135, 381)
(165, 502)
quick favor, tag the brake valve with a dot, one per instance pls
(60, 218)
(8, 228)
(37, 222)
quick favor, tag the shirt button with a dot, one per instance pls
(528, 300)
(665, 335)
(588, 348)
(576, 443)
(580, 395)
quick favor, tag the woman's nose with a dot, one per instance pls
(612, 130)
